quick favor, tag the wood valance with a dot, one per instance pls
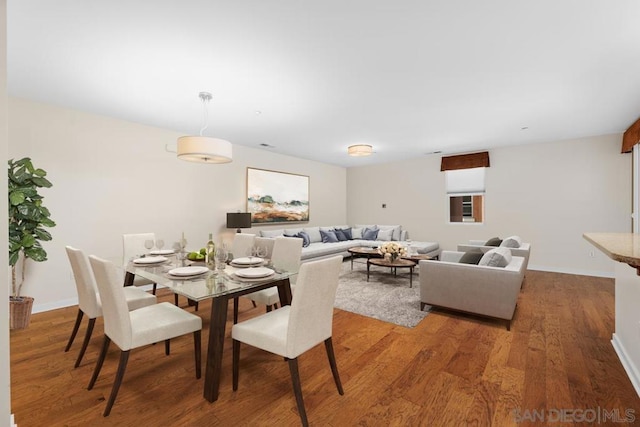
(465, 161)
(631, 137)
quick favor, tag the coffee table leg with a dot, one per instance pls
(368, 267)
(411, 277)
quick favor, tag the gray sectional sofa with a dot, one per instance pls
(317, 249)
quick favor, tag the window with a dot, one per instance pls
(465, 189)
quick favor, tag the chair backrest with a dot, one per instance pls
(117, 323)
(133, 244)
(266, 243)
(311, 313)
(286, 254)
(242, 242)
(85, 283)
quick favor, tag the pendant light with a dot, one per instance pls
(204, 149)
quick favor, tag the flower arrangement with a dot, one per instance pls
(392, 250)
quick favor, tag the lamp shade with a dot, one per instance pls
(239, 220)
(360, 150)
(204, 149)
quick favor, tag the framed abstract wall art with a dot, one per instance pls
(276, 197)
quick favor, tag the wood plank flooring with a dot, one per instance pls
(450, 370)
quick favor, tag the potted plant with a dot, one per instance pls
(27, 219)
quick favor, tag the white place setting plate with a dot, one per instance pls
(150, 260)
(163, 252)
(247, 260)
(254, 273)
(187, 271)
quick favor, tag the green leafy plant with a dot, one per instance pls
(27, 218)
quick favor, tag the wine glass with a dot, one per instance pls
(181, 256)
(148, 244)
(221, 257)
(159, 244)
(261, 251)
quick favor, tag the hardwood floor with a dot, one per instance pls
(450, 370)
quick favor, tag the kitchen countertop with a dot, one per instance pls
(621, 247)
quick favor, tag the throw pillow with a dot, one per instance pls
(271, 233)
(498, 257)
(340, 235)
(494, 241)
(356, 233)
(328, 236)
(511, 242)
(471, 257)
(346, 232)
(305, 238)
(370, 234)
(314, 234)
(385, 235)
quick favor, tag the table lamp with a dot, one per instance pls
(239, 220)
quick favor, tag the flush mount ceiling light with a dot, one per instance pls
(360, 150)
(204, 149)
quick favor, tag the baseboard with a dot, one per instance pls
(40, 308)
(627, 364)
(605, 274)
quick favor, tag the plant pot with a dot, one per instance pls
(20, 312)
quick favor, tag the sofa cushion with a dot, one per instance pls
(340, 235)
(385, 235)
(314, 234)
(328, 236)
(471, 257)
(272, 233)
(370, 234)
(511, 242)
(356, 232)
(291, 232)
(494, 241)
(346, 232)
(498, 257)
(397, 229)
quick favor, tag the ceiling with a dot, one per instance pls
(311, 78)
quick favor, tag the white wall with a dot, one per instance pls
(112, 177)
(5, 373)
(549, 194)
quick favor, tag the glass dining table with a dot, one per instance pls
(220, 286)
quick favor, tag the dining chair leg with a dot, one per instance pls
(197, 344)
(175, 299)
(75, 330)
(167, 347)
(254, 304)
(269, 308)
(297, 390)
(235, 310)
(85, 343)
(236, 363)
(328, 345)
(99, 362)
(155, 287)
(124, 358)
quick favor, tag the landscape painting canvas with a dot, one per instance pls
(274, 197)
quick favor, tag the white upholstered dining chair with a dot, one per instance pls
(293, 329)
(285, 256)
(129, 330)
(132, 247)
(89, 300)
(242, 243)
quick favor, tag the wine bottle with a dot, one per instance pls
(210, 258)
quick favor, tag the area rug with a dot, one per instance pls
(384, 297)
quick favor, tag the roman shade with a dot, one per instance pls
(465, 161)
(631, 137)
(465, 181)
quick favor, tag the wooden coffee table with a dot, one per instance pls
(399, 263)
(363, 252)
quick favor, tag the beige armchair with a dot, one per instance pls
(482, 290)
